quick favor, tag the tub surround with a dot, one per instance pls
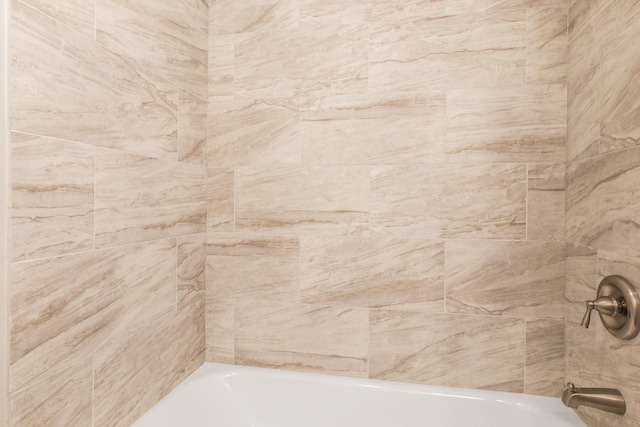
(386, 189)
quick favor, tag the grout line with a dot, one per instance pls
(524, 362)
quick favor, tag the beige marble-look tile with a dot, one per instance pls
(547, 41)
(454, 51)
(328, 340)
(320, 200)
(319, 60)
(77, 14)
(331, 11)
(141, 199)
(444, 349)
(135, 372)
(544, 367)
(63, 399)
(162, 39)
(229, 16)
(67, 86)
(191, 269)
(51, 197)
(602, 207)
(363, 129)
(449, 201)
(584, 95)
(63, 309)
(466, 6)
(516, 124)
(192, 128)
(620, 112)
(220, 331)
(4, 374)
(221, 66)
(546, 202)
(250, 132)
(253, 267)
(220, 200)
(355, 271)
(519, 279)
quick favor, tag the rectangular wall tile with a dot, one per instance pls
(140, 199)
(356, 271)
(144, 366)
(253, 267)
(449, 201)
(192, 128)
(466, 6)
(328, 200)
(547, 41)
(455, 51)
(602, 209)
(358, 129)
(220, 331)
(228, 16)
(313, 338)
(319, 60)
(66, 86)
(162, 39)
(51, 197)
(63, 309)
(544, 369)
(519, 279)
(221, 67)
(443, 349)
(546, 202)
(251, 132)
(64, 399)
(220, 200)
(191, 270)
(519, 124)
(77, 14)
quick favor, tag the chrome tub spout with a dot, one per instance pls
(605, 399)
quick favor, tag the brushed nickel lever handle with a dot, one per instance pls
(607, 306)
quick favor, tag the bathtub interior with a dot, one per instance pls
(232, 396)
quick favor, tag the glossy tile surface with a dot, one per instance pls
(373, 130)
(77, 14)
(220, 199)
(521, 124)
(141, 199)
(546, 202)
(52, 197)
(547, 40)
(220, 331)
(372, 272)
(331, 200)
(450, 201)
(312, 338)
(228, 16)
(192, 128)
(544, 369)
(191, 270)
(477, 351)
(518, 279)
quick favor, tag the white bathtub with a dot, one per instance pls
(235, 396)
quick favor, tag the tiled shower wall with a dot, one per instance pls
(4, 153)
(386, 189)
(108, 206)
(603, 203)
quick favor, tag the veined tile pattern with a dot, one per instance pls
(253, 268)
(313, 338)
(522, 124)
(449, 52)
(354, 271)
(290, 63)
(220, 331)
(478, 352)
(229, 16)
(51, 197)
(90, 299)
(547, 40)
(192, 128)
(191, 271)
(67, 86)
(329, 200)
(251, 132)
(164, 40)
(140, 198)
(220, 200)
(546, 202)
(602, 207)
(77, 14)
(358, 129)
(544, 367)
(449, 201)
(466, 6)
(221, 67)
(64, 398)
(518, 279)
